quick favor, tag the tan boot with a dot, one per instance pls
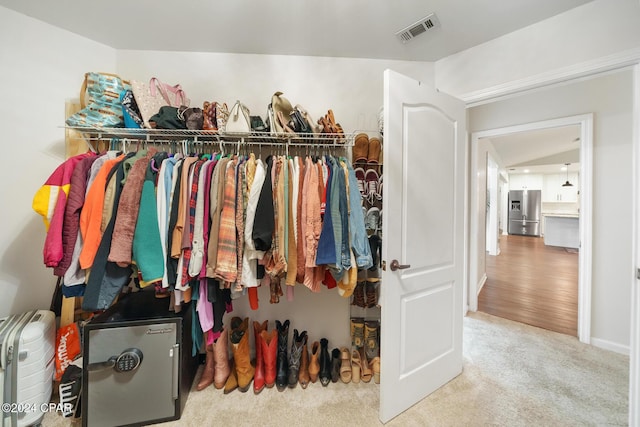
(232, 380)
(304, 367)
(242, 353)
(221, 359)
(314, 364)
(207, 374)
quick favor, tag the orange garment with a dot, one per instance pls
(183, 202)
(91, 215)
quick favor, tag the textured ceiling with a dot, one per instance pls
(351, 28)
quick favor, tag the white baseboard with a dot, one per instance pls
(611, 346)
(481, 283)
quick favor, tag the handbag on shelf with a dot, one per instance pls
(222, 114)
(299, 123)
(281, 110)
(193, 117)
(130, 110)
(167, 118)
(209, 121)
(239, 120)
(257, 125)
(150, 97)
(100, 101)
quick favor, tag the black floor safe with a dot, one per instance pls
(138, 367)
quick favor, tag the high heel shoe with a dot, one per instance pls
(375, 367)
(345, 365)
(356, 365)
(366, 373)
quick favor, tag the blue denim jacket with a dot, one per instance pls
(326, 253)
(357, 232)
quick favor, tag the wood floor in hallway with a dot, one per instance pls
(532, 283)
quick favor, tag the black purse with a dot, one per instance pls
(167, 118)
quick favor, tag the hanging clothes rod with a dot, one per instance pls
(213, 137)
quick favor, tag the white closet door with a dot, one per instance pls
(423, 228)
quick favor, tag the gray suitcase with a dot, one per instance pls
(27, 365)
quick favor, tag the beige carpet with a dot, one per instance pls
(514, 375)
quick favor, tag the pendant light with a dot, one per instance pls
(567, 184)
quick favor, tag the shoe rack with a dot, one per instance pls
(364, 305)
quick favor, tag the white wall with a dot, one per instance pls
(610, 99)
(41, 66)
(352, 88)
(592, 31)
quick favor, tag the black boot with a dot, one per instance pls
(282, 371)
(335, 365)
(299, 341)
(325, 363)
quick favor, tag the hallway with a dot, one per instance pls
(532, 283)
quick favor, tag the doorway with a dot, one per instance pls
(478, 206)
(533, 278)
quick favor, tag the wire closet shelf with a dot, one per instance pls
(204, 137)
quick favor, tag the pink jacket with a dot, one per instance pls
(50, 201)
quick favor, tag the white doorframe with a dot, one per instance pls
(492, 200)
(634, 368)
(586, 177)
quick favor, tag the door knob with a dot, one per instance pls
(395, 265)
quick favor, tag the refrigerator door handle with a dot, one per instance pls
(174, 352)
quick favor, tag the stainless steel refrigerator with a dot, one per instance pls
(524, 212)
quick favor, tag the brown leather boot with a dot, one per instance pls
(304, 366)
(295, 356)
(207, 374)
(242, 353)
(314, 364)
(269, 341)
(232, 380)
(221, 360)
(258, 379)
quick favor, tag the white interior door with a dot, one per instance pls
(423, 227)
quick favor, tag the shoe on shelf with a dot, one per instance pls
(365, 370)
(371, 339)
(357, 332)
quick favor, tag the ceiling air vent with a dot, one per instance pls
(417, 28)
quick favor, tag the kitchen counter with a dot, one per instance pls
(562, 230)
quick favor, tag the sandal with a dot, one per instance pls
(356, 365)
(375, 367)
(345, 366)
(366, 372)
